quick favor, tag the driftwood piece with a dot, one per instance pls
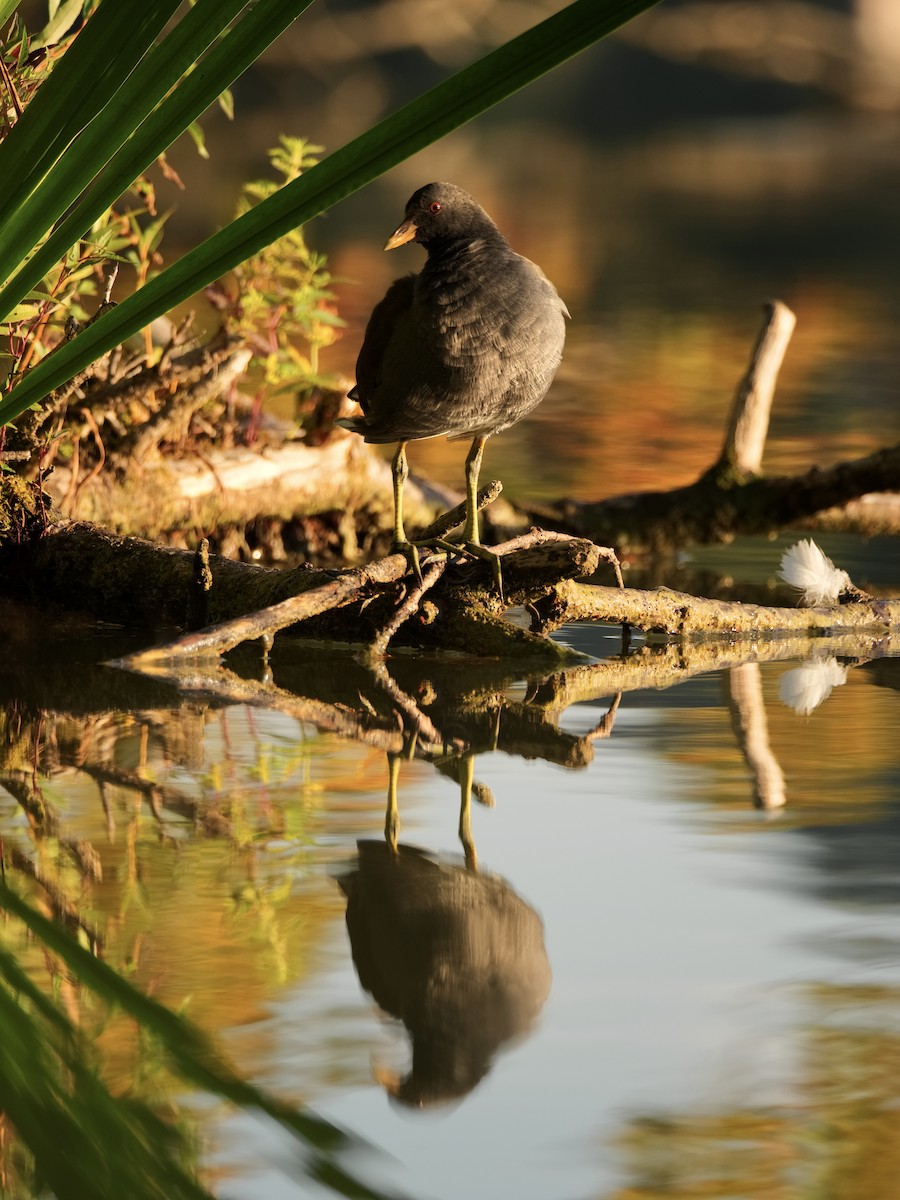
(131, 581)
(217, 489)
(466, 616)
(708, 511)
(134, 582)
(677, 614)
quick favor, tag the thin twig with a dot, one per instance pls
(408, 608)
(457, 515)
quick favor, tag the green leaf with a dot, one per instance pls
(7, 8)
(226, 103)
(105, 52)
(415, 126)
(62, 17)
(126, 159)
(135, 94)
(198, 139)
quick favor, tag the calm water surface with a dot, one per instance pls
(724, 995)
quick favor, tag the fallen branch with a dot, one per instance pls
(131, 581)
(677, 614)
(708, 511)
(466, 616)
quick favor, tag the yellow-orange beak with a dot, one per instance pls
(402, 234)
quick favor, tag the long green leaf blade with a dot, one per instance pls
(7, 8)
(60, 23)
(240, 47)
(88, 77)
(138, 96)
(418, 124)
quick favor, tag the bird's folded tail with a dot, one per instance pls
(354, 424)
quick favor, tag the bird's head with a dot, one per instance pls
(440, 213)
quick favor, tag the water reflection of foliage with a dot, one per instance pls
(841, 1137)
(78, 1138)
(113, 813)
(117, 816)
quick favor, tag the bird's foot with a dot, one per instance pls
(488, 556)
(410, 551)
(474, 550)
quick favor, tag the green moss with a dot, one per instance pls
(24, 510)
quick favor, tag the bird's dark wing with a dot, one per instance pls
(386, 315)
(499, 307)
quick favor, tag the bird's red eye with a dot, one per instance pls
(436, 207)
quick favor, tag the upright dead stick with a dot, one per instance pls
(748, 422)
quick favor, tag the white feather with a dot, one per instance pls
(805, 567)
(804, 688)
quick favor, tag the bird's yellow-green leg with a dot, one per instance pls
(392, 816)
(466, 778)
(473, 469)
(400, 473)
(471, 536)
(401, 543)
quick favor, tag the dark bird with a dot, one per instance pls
(454, 954)
(464, 349)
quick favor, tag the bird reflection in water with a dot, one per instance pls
(449, 950)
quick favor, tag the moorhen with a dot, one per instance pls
(465, 348)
